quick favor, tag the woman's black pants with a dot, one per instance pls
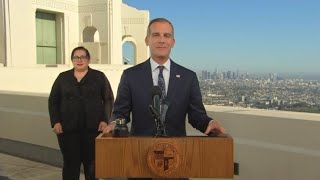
(77, 148)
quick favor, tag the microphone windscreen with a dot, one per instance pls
(156, 91)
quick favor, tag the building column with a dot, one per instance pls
(114, 32)
(2, 34)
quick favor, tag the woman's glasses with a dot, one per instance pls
(74, 58)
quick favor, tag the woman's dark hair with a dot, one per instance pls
(80, 48)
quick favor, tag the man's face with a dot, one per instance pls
(160, 41)
(80, 60)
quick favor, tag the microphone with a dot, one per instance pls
(155, 110)
(156, 95)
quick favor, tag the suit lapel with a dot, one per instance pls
(172, 82)
(147, 75)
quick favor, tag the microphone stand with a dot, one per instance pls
(161, 130)
(163, 110)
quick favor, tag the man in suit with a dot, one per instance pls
(181, 89)
(179, 86)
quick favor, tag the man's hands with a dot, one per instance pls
(102, 126)
(57, 128)
(215, 125)
(110, 127)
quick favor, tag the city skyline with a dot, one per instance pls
(253, 36)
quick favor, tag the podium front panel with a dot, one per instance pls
(174, 157)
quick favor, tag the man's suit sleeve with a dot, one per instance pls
(197, 115)
(123, 104)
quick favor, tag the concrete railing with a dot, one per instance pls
(272, 144)
(39, 79)
(268, 144)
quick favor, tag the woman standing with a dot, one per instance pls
(80, 105)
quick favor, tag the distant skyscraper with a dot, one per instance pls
(237, 74)
(223, 75)
(204, 74)
(229, 75)
(275, 77)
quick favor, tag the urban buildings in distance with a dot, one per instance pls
(263, 91)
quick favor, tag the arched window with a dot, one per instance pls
(90, 34)
(128, 50)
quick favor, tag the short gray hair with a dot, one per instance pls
(159, 20)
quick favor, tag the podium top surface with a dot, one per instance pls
(109, 135)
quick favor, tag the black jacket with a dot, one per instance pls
(81, 104)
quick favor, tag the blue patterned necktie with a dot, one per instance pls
(161, 83)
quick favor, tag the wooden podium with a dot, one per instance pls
(174, 157)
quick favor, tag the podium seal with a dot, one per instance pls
(163, 158)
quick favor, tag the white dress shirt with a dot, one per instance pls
(165, 72)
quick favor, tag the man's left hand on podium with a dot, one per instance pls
(215, 126)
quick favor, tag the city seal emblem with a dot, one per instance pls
(163, 158)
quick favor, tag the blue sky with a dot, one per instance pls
(249, 35)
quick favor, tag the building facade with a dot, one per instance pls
(44, 32)
(37, 37)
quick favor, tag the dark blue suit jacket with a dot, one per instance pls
(183, 96)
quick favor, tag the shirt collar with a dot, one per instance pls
(155, 65)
